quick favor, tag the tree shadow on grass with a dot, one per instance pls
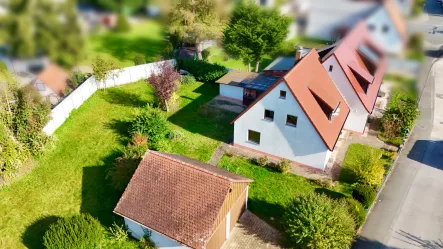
(98, 195)
(33, 236)
(120, 97)
(330, 193)
(197, 117)
(269, 212)
(120, 127)
(124, 48)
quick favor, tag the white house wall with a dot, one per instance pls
(232, 92)
(390, 41)
(358, 115)
(300, 144)
(160, 241)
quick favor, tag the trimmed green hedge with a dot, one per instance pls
(365, 194)
(202, 70)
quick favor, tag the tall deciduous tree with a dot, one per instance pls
(44, 26)
(195, 21)
(165, 81)
(253, 32)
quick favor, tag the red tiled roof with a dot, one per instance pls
(306, 79)
(177, 196)
(55, 78)
(347, 55)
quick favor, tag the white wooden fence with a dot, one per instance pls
(126, 75)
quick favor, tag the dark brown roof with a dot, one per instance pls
(177, 196)
(310, 84)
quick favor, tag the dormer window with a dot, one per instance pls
(361, 81)
(327, 109)
(369, 57)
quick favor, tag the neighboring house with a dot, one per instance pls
(244, 86)
(331, 19)
(356, 65)
(52, 83)
(388, 28)
(283, 64)
(181, 202)
(24, 70)
(299, 117)
(405, 6)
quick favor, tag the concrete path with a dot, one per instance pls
(409, 211)
(252, 233)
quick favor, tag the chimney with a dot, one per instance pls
(298, 53)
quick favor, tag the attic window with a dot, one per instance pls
(330, 68)
(282, 94)
(327, 110)
(369, 57)
(40, 87)
(361, 81)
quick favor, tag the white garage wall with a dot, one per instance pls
(300, 144)
(126, 75)
(232, 92)
(358, 115)
(161, 242)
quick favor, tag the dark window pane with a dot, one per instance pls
(283, 94)
(291, 120)
(254, 136)
(269, 115)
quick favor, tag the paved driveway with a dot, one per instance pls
(252, 233)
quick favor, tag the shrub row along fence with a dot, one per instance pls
(77, 97)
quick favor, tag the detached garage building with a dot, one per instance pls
(181, 202)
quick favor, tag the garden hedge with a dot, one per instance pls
(365, 194)
(202, 70)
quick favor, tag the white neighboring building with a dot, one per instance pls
(179, 202)
(299, 117)
(357, 66)
(388, 28)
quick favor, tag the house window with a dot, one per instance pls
(385, 28)
(330, 68)
(40, 87)
(291, 120)
(282, 94)
(254, 136)
(269, 115)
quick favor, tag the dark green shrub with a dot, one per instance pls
(151, 122)
(416, 42)
(139, 59)
(77, 78)
(188, 79)
(317, 221)
(203, 71)
(365, 194)
(357, 211)
(262, 161)
(122, 24)
(284, 166)
(205, 54)
(31, 116)
(80, 232)
(168, 51)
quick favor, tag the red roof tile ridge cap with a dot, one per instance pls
(197, 168)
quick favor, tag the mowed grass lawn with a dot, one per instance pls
(71, 178)
(145, 37)
(271, 190)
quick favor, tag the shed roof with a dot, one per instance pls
(177, 196)
(55, 78)
(316, 94)
(350, 56)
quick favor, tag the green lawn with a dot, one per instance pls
(271, 190)
(353, 154)
(146, 37)
(71, 178)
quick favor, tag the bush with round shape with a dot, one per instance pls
(316, 221)
(357, 211)
(75, 232)
(262, 161)
(139, 59)
(284, 166)
(188, 79)
(122, 24)
(176, 135)
(151, 122)
(365, 194)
